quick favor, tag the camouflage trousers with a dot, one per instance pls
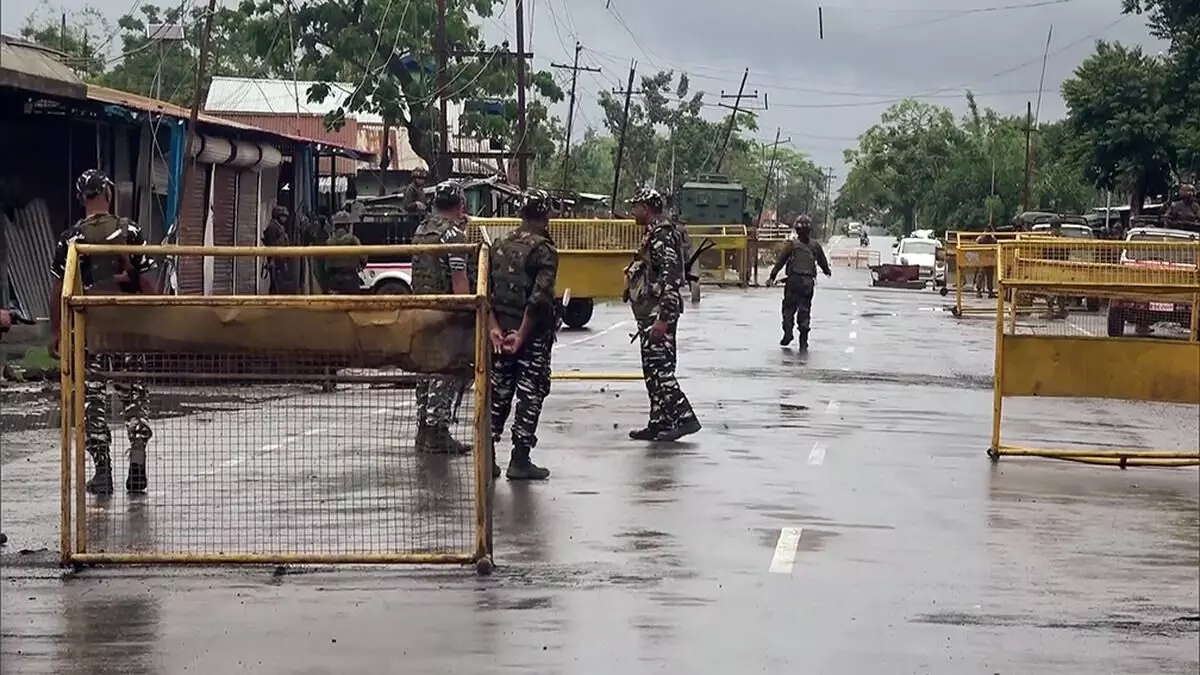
(797, 302)
(435, 400)
(134, 399)
(669, 407)
(343, 282)
(524, 376)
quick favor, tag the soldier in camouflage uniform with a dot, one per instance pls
(342, 271)
(414, 194)
(653, 283)
(278, 270)
(107, 275)
(800, 257)
(440, 274)
(1184, 214)
(524, 269)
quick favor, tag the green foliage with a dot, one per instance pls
(387, 50)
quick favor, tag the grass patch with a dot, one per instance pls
(38, 360)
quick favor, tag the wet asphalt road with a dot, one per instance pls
(836, 515)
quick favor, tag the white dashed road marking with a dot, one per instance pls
(850, 349)
(266, 449)
(832, 407)
(593, 336)
(785, 550)
(853, 335)
(817, 456)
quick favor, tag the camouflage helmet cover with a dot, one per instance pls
(92, 183)
(648, 196)
(1187, 189)
(803, 222)
(449, 193)
(419, 172)
(536, 204)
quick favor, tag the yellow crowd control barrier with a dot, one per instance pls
(730, 250)
(1149, 284)
(592, 253)
(295, 436)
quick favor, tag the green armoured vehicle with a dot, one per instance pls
(713, 200)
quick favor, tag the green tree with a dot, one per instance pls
(387, 51)
(79, 35)
(1122, 133)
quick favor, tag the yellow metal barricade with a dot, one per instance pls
(592, 253)
(1149, 284)
(730, 249)
(286, 427)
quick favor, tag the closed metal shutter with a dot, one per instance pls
(224, 214)
(192, 216)
(245, 271)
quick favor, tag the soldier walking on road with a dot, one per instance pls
(440, 274)
(652, 287)
(342, 272)
(524, 269)
(1184, 213)
(107, 275)
(800, 257)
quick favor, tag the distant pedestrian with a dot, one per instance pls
(107, 275)
(278, 269)
(414, 200)
(524, 270)
(985, 275)
(440, 274)
(653, 288)
(801, 257)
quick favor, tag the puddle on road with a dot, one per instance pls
(37, 407)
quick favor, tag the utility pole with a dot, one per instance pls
(444, 164)
(197, 94)
(575, 69)
(770, 171)
(737, 100)
(522, 158)
(1028, 152)
(621, 140)
(828, 200)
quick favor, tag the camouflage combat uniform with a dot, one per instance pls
(1183, 214)
(801, 259)
(985, 276)
(414, 200)
(524, 269)
(431, 275)
(278, 270)
(653, 284)
(97, 276)
(342, 271)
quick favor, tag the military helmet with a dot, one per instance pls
(648, 196)
(803, 222)
(1055, 220)
(92, 183)
(419, 172)
(536, 204)
(448, 194)
(342, 219)
(1187, 189)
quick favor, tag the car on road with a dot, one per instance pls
(1145, 314)
(1076, 231)
(925, 254)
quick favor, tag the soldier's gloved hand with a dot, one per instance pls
(829, 274)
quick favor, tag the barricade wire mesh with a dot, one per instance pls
(1100, 288)
(280, 428)
(578, 234)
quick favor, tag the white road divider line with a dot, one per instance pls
(785, 550)
(816, 457)
(853, 335)
(593, 336)
(850, 349)
(266, 449)
(832, 407)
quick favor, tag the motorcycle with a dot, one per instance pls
(864, 240)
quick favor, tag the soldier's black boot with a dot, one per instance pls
(439, 441)
(102, 480)
(521, 468)
(137, 480)
(677, 432)
(803, 340)
(648, 433)
(495, 465)
(787, 338)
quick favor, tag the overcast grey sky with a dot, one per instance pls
(823, 93)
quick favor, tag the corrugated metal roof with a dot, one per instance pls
(283, 97)
(24, 65)
(137, 102)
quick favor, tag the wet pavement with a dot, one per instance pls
(837, 514)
